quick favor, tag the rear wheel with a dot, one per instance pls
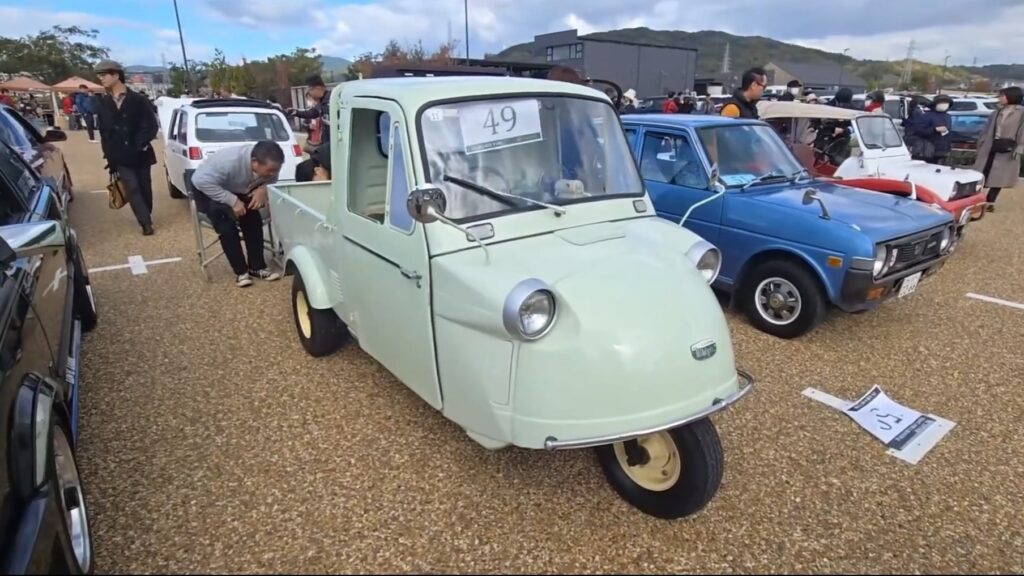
(175, 193)
(320, 331)
(669, 474)
(71, 498)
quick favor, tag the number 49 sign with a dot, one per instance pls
(499, 124)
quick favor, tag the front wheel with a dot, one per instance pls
(320, 331)
(669, 474)
(78, 537)
(783, 298)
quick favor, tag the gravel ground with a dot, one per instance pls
(212, 443)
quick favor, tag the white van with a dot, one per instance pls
(198, 128)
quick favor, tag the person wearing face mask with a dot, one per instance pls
(932, 126)
(874, 102)
(1001, 144)
(793, 91)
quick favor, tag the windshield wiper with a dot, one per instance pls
(795, 176)
(507, 199)
(764, 177)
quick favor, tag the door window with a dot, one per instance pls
(183, 128)
(172, 133)
(631, 138)
(13, 133)
(672, 159)
(368, 165)
(17, 184)
(398, 213)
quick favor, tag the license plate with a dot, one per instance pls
(909, 284)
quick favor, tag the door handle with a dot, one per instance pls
(411, 274)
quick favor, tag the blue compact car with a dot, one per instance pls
(792, 246)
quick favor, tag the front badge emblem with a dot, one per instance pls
(704, 349)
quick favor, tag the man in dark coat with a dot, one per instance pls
(127, 126)
(794, 89)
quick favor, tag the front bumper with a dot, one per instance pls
(862, 292)
(746, 382)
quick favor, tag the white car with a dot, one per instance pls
(197, 128)
(973, 104)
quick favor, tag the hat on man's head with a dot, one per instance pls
(108, 66)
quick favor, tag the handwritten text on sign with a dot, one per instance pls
(892, 423)
(499, 124)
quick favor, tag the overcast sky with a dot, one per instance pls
(141, 31)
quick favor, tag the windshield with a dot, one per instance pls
(553, 149)
(878, 132)
(970, 125)
(240, 127)
(747, 152)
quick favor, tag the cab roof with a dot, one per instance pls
(412, 92)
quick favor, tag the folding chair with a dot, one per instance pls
(201, 222)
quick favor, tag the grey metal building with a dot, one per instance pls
(650, 69)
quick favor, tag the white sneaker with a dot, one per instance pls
(243, 281)
(266, 275)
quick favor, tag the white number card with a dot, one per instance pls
(892, 423)
(499, 125)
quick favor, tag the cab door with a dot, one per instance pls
(676, 179)
(386, 271)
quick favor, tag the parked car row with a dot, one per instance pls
(46, 304)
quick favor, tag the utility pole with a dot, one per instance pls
(184, 57)
(842, 69)
(942, 79)
(465, 4)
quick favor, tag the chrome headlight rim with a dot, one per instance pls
(879, 266)
(698, 251)
(517, 297)
(947, 238)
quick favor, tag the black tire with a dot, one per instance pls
(699, 451)
(810, 298)
(323, 332)
(76, 555)
(175, 193)
(84, 299)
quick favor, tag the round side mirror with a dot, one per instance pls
(426, 204)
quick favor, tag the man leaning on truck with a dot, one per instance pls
(231, 188)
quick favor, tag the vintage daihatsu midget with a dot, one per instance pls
(489, 241)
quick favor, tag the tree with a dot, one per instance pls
(981, 85)
(219, 70)
(394, 54)
(53, 55)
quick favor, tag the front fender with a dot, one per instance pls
(314, 274)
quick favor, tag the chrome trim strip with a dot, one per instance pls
(718, 405)
(858, 263)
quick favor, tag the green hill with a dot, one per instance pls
(748, 51)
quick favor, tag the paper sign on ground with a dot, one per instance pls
(499, 124)
(907, 433)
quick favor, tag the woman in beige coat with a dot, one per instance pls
(1001, 144)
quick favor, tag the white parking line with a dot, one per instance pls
(137, 265)
(995, 300)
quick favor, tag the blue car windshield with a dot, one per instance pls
(746, 152)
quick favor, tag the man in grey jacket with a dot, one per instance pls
(230, 188)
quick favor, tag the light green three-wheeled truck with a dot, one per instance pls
(490, 242)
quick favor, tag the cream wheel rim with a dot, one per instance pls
(302, 314)
(662, 470)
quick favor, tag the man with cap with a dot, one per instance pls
(127, 126)
(318, 91)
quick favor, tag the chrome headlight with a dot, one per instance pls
(880, 254)
(529, 309)
(947, 235)
(706, 258)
